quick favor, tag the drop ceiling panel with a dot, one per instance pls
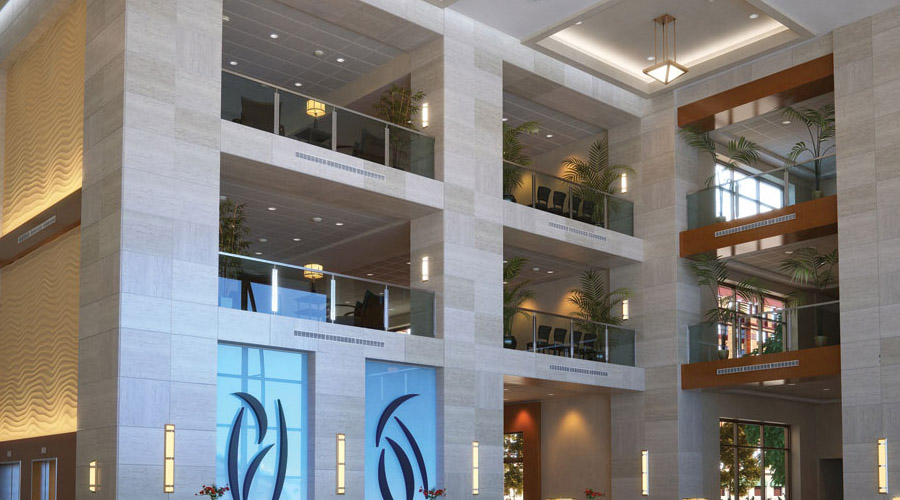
(564, 128)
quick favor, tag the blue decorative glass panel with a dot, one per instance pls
(261, 423)
(401, 430)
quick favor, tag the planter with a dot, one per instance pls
(509, 342)
(723, 353)
(817, 194)
(820, 340)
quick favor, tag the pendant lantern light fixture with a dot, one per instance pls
(665, 68)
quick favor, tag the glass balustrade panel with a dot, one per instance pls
(248, 103)
(307, 120)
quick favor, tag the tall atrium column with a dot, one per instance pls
(147, 336)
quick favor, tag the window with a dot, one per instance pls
(759, 328)
(43, 479)
(740, 195)
(513, 466)
(754, 461)
(10, 478)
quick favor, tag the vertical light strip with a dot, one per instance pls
(882, 466)
(274, 289)
(92, 476)
(474, 467)
(624, 183)
(625, 311)
(333, 300)
(169, 463)
(425, 269)
(341, 463)
(425, 115)
(645, 473)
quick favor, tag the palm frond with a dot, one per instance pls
(743, 150)
(592, 300)
(701, 141)
(513, 149)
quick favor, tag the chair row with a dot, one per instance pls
(585, 344)
(581, 210)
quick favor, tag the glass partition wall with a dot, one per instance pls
(306, 119)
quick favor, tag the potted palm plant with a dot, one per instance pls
(514, 154)
(820, 125)
(809, 266)
(514, 294)
(596, 305)
(597, 175)
(233, 234)
(399, 105)
(712, 273)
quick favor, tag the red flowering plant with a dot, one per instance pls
(432, 494)
(591, 494)
(212, 492)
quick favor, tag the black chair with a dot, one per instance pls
(587, 212)
(576, 339)
(559, 203)
(370, 312)
(543, 339)
(543, 197)
(576, 205)
(559, 340)
(259, 115)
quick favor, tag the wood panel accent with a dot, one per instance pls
(817, 362)
(57, 220)
(526, 418)
(790, 86)
(58, 446)
(814, 216)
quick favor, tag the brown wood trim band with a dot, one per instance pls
(43, 228)
(816, 362)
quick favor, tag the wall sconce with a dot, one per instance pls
(625, 311)
(169, 462)
(426, 271)
(645, 473)
(341, 463)
(474, 467)
(315, 108)
(425, 115)
(882, 466)
(624, 183)
(274, 289)
(92, 476)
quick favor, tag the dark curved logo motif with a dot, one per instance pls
(405, 465)
(262, 424)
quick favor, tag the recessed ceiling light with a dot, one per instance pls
(296, 239)
(263, 240)
(258, 253)
(505, 119)
(754, 16)
(316, 219)
(319, 53)
(370, 274)
(407, 263)
(786, 122)
(549, 136)
(535, 269)
(298, 84)
(223, 198)
(789, 252)
(505, 282)
(551, 394)
(651, 58)
(233, 63)
(226, 18)
(340, 59)
(505, 389)
(272, 209)
(826, 389)
(338, 223)
(579, 23)
(549, 272)
(273, 36)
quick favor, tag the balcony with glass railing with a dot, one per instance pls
(736, 194)
(570, 337)
(769, 332)
(308, 293)
(567, 199)
(290, 114)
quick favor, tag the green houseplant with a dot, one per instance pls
(596, 305)
(597, 175)
(400, 106)
(514, 294)
(820, 125)
(808, 266)
(233, 234)
(514, 154)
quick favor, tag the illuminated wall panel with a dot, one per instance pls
(39, 341)
(44, 121)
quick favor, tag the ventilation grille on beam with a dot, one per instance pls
(35, 230)
(338, 338)
(583, 371)
(341, 166)
(756, 225)
(756, 368)
(580, 232)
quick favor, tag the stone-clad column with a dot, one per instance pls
(147, 336)
(465, 247)
(867, 117)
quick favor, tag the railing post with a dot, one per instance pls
(605, 211)
(387, 146)
(387, 319)
(786, 192)
(534, 344)
(571, 215)
(334, 119)
(606, 343)
(571, 327)
(533, 191)
(277, 111)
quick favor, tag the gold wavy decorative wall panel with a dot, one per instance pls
(39, 341)
(45, 121)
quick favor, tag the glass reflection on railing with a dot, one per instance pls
(306, 119)
(568, 199)
(781, 330)
(736, 194)
(256, 285)
(559, 335)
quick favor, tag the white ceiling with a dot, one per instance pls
(820, 390)
(520, 389)
(522, 18)
(542, 268)
(823, 16)
(564, 128)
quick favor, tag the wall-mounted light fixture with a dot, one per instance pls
(625, 310)
(169, 460)
(274, 289)
(341, 465)
(645, 473)
(425, 115)
(474, 467)
(426, 271)
(92, 476)
(624, 183)
(882, 466)
(315, 108)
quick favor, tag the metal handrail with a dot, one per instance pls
(611, 195)
(571, 329)
(766, 173)
(764, 314)
(300, 94)
(563, 316)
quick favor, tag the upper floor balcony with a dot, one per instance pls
(287, 113)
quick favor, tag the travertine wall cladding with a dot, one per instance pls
(39, 341)
(44, 121)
